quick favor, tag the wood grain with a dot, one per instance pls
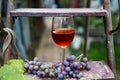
(58, 12)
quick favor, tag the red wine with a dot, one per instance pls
(63, 37)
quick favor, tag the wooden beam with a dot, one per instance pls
(109, 37)
(58, 12)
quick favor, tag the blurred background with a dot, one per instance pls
(34, 33)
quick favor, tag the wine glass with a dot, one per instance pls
(63, 32)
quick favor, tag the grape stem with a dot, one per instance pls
(79, 57)
(26, 60)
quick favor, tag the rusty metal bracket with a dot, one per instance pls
(118, 26)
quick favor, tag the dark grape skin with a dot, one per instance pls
(83, 64)
(31, 62)
(71, 58)
(88, 67)
(66, 63)
(34, 72)
(26, 65)
(67, 69)
(36, 67)
(84, 59)
(31, 67)
(76, 64)
(36, 59)
(56, 65)
(60, 76)
(38, 63)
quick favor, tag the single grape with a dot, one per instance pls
(60, 76)
(76, 64)
(31, 62)
(68, 58)
(56, 71)
(46, 71)
(78, 76)
(71, 73)
(38, 73)
(36, 67)
(83, 65)
(64, 73)
(41, 74)
(56, 65)
(36, 59)
(26, 65)
(66, 63)
(74, 75)
(42, 67)
(31, 67)
(88, 67)
(34, 72)
(67, 69)
(38, 63)
(73, 58)
(84, 59)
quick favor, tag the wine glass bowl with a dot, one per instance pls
(62, 31)
(63, 37)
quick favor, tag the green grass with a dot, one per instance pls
(97, 52)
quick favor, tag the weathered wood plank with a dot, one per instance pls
(99, 71)
(58, 12)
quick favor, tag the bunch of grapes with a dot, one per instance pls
(69, 68)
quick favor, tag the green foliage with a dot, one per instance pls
(13, 70)
(64, 3)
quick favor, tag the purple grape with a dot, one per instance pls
(31, 62)
(60, 76)
(83, 64)
(71, 65)
(76, 71)
(79, 75)
(68, 58)
(41, 74)
(74, 75)
(88, 67)
(73, 58)
(84, 59)
(26, 65)
(66, 63)
(46, 71)
(31, 67)
(76, 64)
(71, 73)
(56, 65)
(67, 69)
(79, 67)
(56, 71)
(64, 73)
(38, 63)
(34, 72)
(36, 59)
(36, 67)
(38, 73)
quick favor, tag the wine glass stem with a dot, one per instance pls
(63, 56)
